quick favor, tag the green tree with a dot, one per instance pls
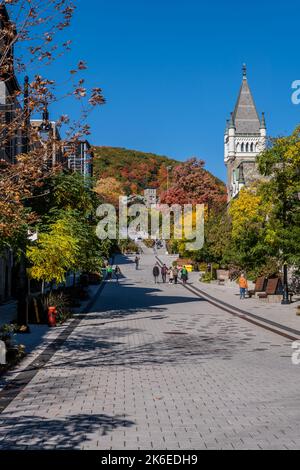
(281, 164)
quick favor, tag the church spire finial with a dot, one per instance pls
(263, 121)
(244, 71)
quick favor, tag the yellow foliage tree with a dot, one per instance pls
(109, 189)
(247, 212)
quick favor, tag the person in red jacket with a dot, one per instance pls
(164, 272)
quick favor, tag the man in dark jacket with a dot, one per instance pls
(156, 273)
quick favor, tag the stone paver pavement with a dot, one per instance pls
(154, 367)
(281, 314)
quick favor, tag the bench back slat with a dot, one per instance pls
(273, 286)
(260, 284)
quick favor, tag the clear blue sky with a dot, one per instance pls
(171, 70)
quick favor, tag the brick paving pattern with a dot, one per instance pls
(154, 367)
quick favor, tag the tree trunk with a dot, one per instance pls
(22, 293)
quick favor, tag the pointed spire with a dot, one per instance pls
(245, 114)
(263, 121)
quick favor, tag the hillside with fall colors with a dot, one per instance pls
(135, 170)
(122, 171)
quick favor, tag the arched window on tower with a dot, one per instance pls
(247, 147)
(252, 147)
(242, 147)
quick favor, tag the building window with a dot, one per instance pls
(247, 148)
(242, 147)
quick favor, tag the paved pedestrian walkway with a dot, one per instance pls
(155, 367)
(282, 314)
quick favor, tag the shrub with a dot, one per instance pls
(203, 267)
(207, 278)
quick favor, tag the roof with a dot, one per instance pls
(245, 115)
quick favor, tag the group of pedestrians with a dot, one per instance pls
(113, 272)
(172, 274)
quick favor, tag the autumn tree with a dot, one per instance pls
(192, 184)
(35, 28)
(109, 190)
(32, 36)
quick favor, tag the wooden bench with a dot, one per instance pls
(260, 286)
(274, 287)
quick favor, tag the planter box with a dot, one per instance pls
(222, 275)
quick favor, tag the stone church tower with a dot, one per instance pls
(245, 138)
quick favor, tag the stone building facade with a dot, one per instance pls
(11, 143)
(245, 139)
(80, 157)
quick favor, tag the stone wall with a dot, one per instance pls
(251, 172)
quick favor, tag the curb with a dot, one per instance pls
(12, 389)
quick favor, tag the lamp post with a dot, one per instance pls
(285, 299)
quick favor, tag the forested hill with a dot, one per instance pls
(119, 171)
(135, 170)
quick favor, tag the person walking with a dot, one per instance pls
(175, 274)
(117, 273)
(137, 262)
(243, 283)
(171, 276)
(164, 272)
(156, 273)
(184, 275)
(109, 272)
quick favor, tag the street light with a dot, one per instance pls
(285, 299)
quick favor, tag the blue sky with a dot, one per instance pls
(171, 70)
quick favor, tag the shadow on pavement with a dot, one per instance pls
(179, 345)
(69, 432)
(128, 299)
